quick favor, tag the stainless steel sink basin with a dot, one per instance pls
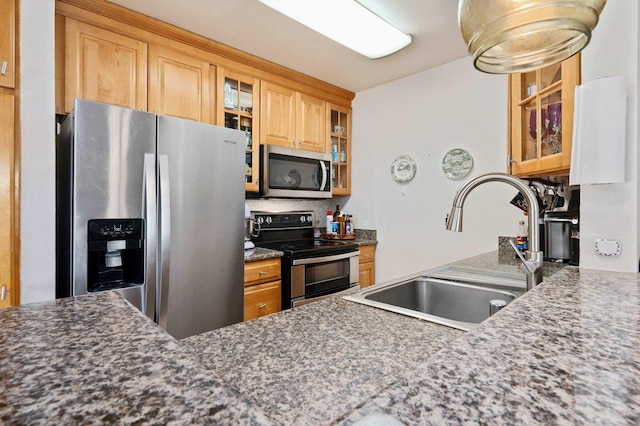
(454, 304)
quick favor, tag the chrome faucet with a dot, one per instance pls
(532, 265)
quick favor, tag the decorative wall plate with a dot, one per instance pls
(457, 163)
(403, 168)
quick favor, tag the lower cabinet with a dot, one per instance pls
(262, 288)
(367, 274)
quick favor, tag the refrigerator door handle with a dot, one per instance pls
(324, 175)
(165, 240)
(150, 215)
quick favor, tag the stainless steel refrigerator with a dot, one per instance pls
(152, 207)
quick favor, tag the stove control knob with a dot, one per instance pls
(310, 220)
(268, 220)
(303, 219)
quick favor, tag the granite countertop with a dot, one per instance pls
(556, 355)
(97, 360)
(567, 352)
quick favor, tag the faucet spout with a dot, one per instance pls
(534, 256)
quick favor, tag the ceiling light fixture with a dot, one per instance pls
(347, 22)
(512, 36)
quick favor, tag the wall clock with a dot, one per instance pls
(403, 168)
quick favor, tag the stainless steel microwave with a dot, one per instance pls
(294, 173)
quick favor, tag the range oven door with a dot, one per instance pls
(321, 276)
(294, 173)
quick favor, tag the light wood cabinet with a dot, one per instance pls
(367, 269)
(179, 84)
(339, 119)
(104, 66)
(541, 108)
(8, 293)
(7, 43)
(293, 119)
(262, 288)
(238, 106)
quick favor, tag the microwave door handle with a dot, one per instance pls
(324, 175)
(150, 213)
(165, 241)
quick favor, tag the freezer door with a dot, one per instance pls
(104, 158)
(201, 203)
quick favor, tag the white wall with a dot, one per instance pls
(426, 115)
(37, 165)
(611, 211)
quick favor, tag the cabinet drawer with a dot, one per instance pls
(261, 271)
(262, 299)
(367, 253)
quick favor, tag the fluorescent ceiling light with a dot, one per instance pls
(347, 22)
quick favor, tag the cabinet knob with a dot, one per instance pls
(3, 68)
(262, 306)
(3, 293)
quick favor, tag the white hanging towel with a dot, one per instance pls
(599, 132)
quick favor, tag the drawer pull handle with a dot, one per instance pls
(262, 273)
(3, 293)
(3, 69)
(262, 306)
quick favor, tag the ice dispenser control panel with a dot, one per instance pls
(116, 253)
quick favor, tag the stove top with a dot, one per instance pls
(292, 233)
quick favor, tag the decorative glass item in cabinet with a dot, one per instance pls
(551, 107)
(529, 85)
(230, 94)
(530, 132)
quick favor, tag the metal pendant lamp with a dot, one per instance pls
(512, 36)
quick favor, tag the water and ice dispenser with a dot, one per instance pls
(115, 253)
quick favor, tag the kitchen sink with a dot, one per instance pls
(455, 304)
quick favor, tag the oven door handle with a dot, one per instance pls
(326, 258)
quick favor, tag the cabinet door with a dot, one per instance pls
(366, 266)
(238, 107)
(178, 84)
(104, 66)
(7, 42)
(311, 123)
(262, 299)
(278, 115)
(7, 281)
(339, 144)
(541, 109)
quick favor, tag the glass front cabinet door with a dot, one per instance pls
(237, 107)
(541, 119)
(340, 146)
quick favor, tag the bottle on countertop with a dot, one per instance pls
(522, 240)
(329, 220)
(347, 225)
(336, 213)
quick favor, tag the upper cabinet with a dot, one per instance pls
(541, 119)
(293, 119)
(238, 107)
(179, 84)
(7, 43)
(104, 66)
(339, 119)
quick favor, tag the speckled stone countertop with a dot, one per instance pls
(97, 360)
(567, 352)
(311, 366)
(258, 253)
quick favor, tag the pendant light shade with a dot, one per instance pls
(512, 36)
